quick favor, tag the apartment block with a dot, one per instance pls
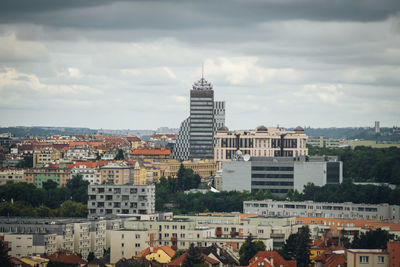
(27, 245)
(11, 175)
(367, 258)
(39, 175)
(261, 142)
(116, 173)
(345, 210)
(322, 141)
(98, 234)
(45, 155)
(108, 200)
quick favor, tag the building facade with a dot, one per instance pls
(261, 142)
(345, 210)
(11, 175)
(108, 200)
(323, 142)
(280, 174)
(196, 134)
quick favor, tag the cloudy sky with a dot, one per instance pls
(131, 64)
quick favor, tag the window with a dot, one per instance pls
(381, 259)
(364, 259)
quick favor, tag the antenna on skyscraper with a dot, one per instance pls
(202, 70)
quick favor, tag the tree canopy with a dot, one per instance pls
(297, 247)
(250, 248)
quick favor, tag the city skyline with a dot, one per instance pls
(131, 64)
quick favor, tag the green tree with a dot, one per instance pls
(373, 239)
(120, 155)
(178, 253)
(249, 249)
(297, 247)
(4, 258)
(193, 256)
(49, 184)
(78, 189)
(72, 209)
(91, 257)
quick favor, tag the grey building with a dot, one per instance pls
(280, 174)
(196, 134)
(109, 200)
(345, 210)
(201, 140)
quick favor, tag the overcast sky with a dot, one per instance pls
(131, 64)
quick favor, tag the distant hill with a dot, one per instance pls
(365, 133)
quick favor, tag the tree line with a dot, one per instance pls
(366, 164)
(23, 199)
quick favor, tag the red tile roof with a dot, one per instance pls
(65, 257)
(335, 260)
(169, 251)
(181, 259)
(278, 260)
(151, 151)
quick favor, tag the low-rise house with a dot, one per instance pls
(367, 258)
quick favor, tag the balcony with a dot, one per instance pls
(174, 239)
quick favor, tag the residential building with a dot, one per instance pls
(367, 258)
(82, 238)
(270, 259)
(108, 200)
(27, 245)
(87, 173)
(394, 252)
(170, 168)
(11, 175)
(161, 254)
(345, 210)
(55, 173)
(280, 174)
(151, 153)
(116, 173)
(323, 142)
(261, 142)
(45, 155)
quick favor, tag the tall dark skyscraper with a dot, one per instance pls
(201, 120)
(196, 134)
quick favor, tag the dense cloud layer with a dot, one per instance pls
(130, 64)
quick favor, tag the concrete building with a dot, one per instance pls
(11, 175)
(181, 149)
(323, 142)
(345, 210)
(367, 258)
(169, 168)
(108, 200)
(55, 173)
(261, 142)
(116, 173)
(27, 245)
(45, 155)
(377, 127)
(280, 174)
(87, 173)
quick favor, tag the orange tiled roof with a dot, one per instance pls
(180, 260)
(277, 258)
(170, 252)
(241, 215)
(335, 260)
(151, 151)
(70, 258)
(371, 224)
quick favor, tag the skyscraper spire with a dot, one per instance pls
(202, 70)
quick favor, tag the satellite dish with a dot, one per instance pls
(239, 152)
(246, 157)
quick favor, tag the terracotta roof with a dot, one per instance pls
(335, 260)
(64, 257)
(151, 151)
(133, 138)
(181, 259)
(278, 260)
(169, 251)
(257, 262)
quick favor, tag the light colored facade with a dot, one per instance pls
(262, 142)
(108, 200)
(170, 168)
(127, 243)
(45, 155)
(323, 142)
(82, 238)
(11, 175)
(367, 258)
(280, 174)
(98, 235)
(219, 115)
(345, 210)
(116, 173)
(27, 245)
(88, 174)
(79, 153)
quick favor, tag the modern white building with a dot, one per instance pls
(279, 174)
(345, 210)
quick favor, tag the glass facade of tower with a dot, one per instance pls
(201, 120)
